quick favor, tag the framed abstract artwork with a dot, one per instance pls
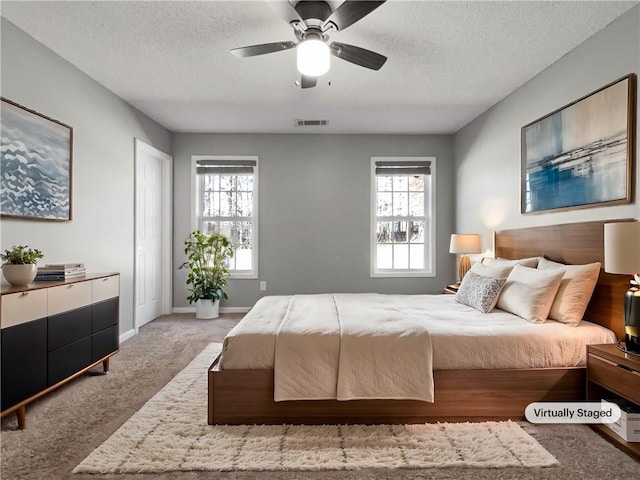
(36, 165)
(582, 154)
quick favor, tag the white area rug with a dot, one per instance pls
(170, 433)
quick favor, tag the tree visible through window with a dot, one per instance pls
(402, 224)
(227, 204)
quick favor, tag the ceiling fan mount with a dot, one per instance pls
(315, 20)
(313, 13)
(311, 33)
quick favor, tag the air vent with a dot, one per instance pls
(311, 123)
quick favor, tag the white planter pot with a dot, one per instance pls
(207, 309)
(19, 275)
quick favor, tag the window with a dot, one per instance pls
(402, 216)
(227, 202)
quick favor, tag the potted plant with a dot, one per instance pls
(19, 264)
(207, 256)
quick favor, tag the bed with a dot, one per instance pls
(463, 392)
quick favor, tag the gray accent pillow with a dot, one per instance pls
(480, 292)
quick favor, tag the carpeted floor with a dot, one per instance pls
(65, 426)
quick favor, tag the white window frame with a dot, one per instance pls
(196, 202)
(430, 222)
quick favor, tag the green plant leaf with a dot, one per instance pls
(20, 255)
(207, 255)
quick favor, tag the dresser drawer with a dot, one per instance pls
(23, 351)
(105, 288)
(104, 314)
(103, 343)
(23, 307)
(66, 361)
(68, 327)
(614, 377)
(67, 297)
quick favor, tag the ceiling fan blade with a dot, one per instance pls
(254, 50)
(307, 82)
(349, 12)
(286, 11)
(359, 56)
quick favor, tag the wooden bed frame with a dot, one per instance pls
(246, 396)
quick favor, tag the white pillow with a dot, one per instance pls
(529, 292)
(574, 292)
(503, 262)
(493, 271)
(479, 292)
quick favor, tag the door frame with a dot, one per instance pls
(142, 148)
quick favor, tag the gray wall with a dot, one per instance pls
(101, 233)
(487, 151)
(314, 196)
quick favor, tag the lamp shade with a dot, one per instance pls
(314, 57)
(622, 247)
(465, 243)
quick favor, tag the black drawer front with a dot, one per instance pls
(103, 343)
(24, 361)
(68, 327)
(68, 360)
(104, 314)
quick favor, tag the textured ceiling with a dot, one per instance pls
(448, 61)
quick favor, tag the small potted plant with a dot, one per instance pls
(207, 256)
(19, 264)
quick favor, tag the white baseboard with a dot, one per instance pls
(184, 309)
(127, 335)
(235, 309)
(222, 309)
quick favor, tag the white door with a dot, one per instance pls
(153, 223)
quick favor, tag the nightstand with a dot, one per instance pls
(612, 373)
(451, 289)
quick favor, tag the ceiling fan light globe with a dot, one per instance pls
(314, 57)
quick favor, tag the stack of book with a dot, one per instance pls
(61, 271)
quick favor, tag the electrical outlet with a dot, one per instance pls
(263, 286)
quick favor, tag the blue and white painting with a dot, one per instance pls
(579, 155)
(35, 169)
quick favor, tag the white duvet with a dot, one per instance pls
(301, 341)
(338, 347)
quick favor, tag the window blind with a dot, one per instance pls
(403, 167)
(225, 167)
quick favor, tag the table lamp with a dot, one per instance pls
(464, 243)
(622, 256)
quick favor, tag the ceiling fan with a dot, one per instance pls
(313, 22)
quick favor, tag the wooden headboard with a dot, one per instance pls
(573, 243)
